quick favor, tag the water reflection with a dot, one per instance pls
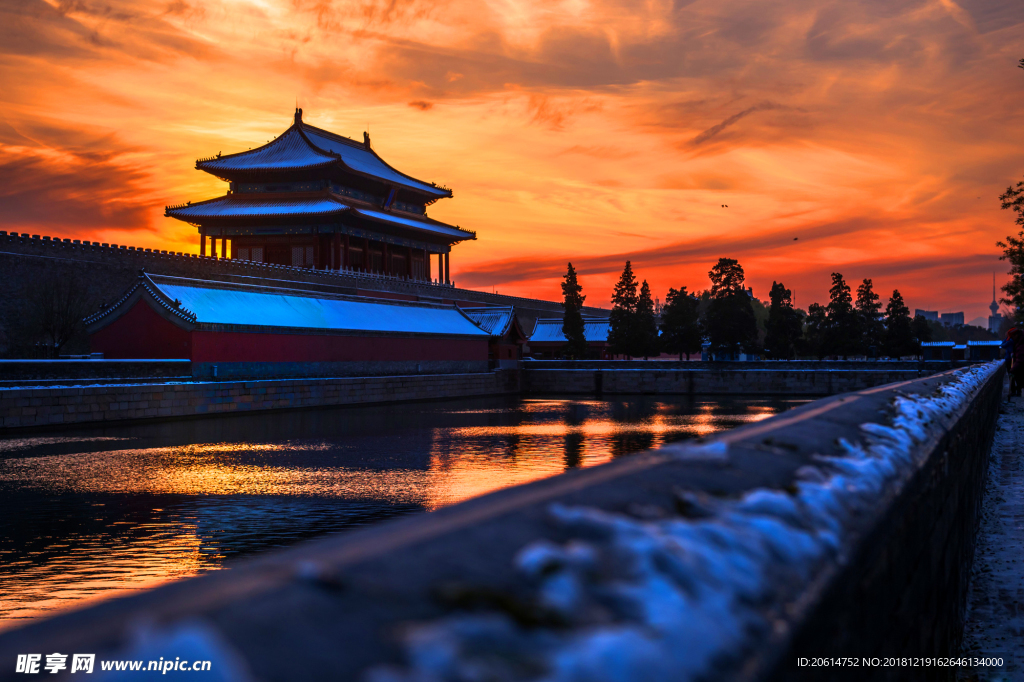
(98, 512)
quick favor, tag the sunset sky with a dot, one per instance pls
(871, 137)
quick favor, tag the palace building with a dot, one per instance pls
(311, 198)
(230, 329)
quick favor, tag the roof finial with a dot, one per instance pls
(366, 139)
(298, 115)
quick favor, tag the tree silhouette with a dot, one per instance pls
(729, 320)
(1013, 251)
(784, 326)
(58, 303)
(870, 317)
(843, 335)
(623, 318)
(572, 319)
(899, 335)
(646, 325)
(816, 330)
(680, 323)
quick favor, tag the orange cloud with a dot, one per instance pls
(877, 133)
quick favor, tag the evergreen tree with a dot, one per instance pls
(870, 317)
(680, 323)
(729, 321)
(921, 330)
(784, 326)
(842, 336)
(1013, 251)
(899, 336)
(816, 330)
(623, 318)
(646, 324)
(572, 320)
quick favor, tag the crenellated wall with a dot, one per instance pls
(107, 271)
(844, 527)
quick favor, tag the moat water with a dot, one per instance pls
(95, 513)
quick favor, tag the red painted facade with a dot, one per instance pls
(143, 333)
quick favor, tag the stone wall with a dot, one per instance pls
(38, 407)
(843, 527)
(106, 271)
(77, 369)
(712, 381)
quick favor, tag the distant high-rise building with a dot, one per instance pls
(951, 319)
(932, 315)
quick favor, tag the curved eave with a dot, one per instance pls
(257, 208)
(412, 184)
(457, 234)
(145, 288)
(320, 158)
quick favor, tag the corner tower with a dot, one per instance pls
(311, 198)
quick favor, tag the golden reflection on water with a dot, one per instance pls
(116, 517)
(527, 456)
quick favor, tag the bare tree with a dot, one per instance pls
(57, 305)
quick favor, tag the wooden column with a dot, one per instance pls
(336, 252)
(346, 260)
(224, 248)
(426, 264)
(213, 247)
(447, 267)
(202, 242)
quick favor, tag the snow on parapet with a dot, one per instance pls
(664, 599)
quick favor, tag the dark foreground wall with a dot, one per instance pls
(843, 527)
(711, 380)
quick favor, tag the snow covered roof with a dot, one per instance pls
(252, 206)
(493, 320)
(549, 330)
(985, 343)
(199, 302)
(357, 157)
(427, 225)
(937, 344)
(303, 147)
(290, 151)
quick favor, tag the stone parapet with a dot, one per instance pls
(713, 381)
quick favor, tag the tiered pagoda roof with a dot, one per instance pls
(309, 175)
(305, 147)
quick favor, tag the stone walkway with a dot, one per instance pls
(995, 603)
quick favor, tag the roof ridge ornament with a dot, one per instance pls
(298, 116)
(366, 139)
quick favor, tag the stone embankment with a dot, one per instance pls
(842, 528)
(56, 405)
(780, 379)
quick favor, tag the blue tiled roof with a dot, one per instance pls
(258, 307)
(241, 206)
(549, 330)
(360, 159)
(304, 146)
(290, 151)
(495, 320)
(429, 226)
